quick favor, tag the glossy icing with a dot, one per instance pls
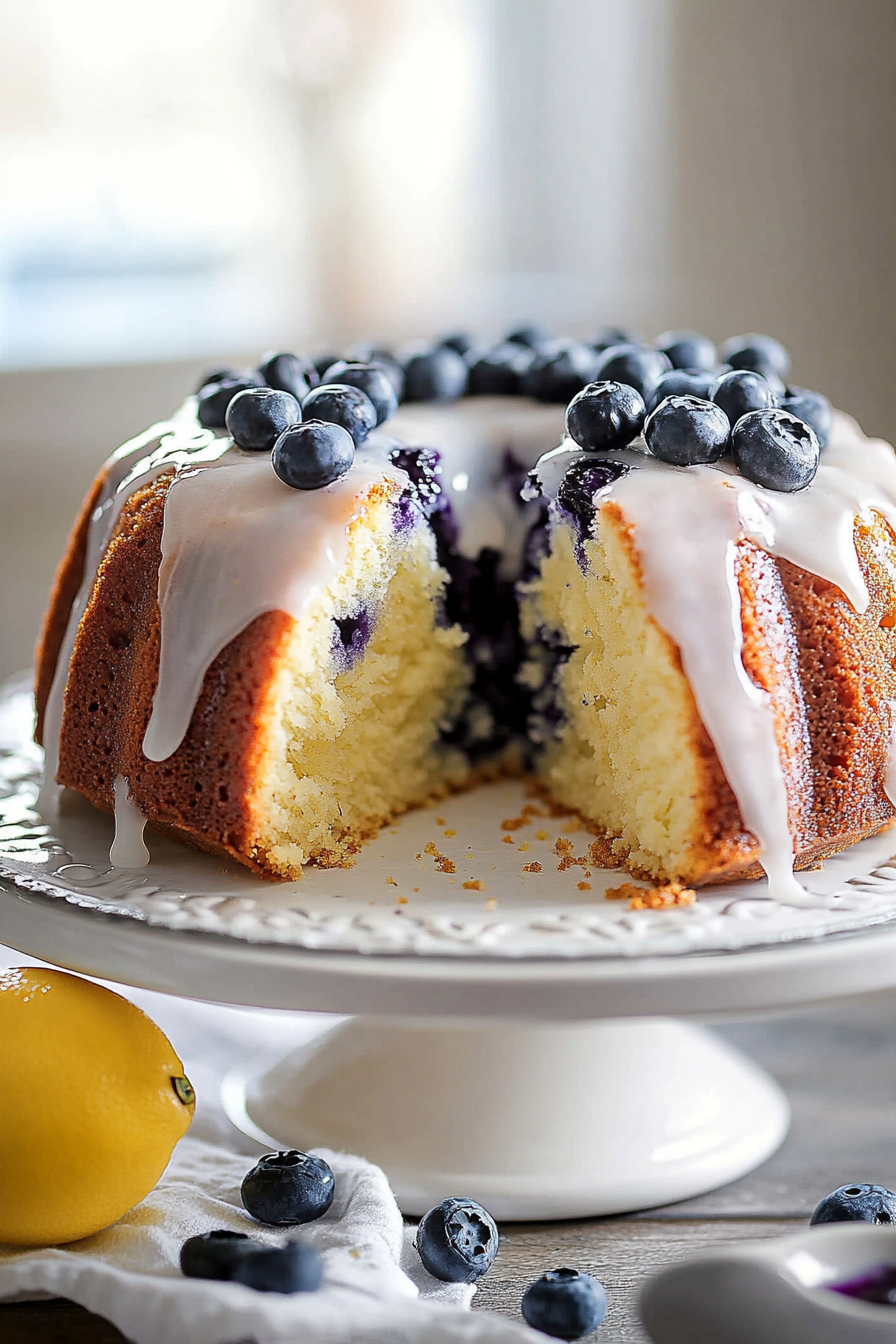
(163, 447)
(237, 542)
(128, 848)
(691, 590)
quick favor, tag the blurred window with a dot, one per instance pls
(149, 167)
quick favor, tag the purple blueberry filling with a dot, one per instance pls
(351, 637)
(585, 479)
(545, 716)
(484, 604)
(874, 1285)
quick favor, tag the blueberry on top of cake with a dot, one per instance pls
(326, 590)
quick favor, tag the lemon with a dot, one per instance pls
(92, 1101)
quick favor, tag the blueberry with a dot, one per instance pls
(741, 391)
(499, 372)
(557, 375)
(531, 334)
(775, 449)
(604, 416)
(292, 1268)
(322, 362)
(216, 397)
(565, 1304)
(814, 409)
(457, 1241)
(288, 1187)
(856, 1204)
(371, 378)
(289, 373)
(214, 1255)
(459, 341)
(340, 404)
(257, 417)
(367, 352)
(636, 365)
(435, 374)
(687, 349)
(683, 383)
(687, 431)
(583, 481)
(762, 354)
(219, 375)
(608, 336)
(313, 454)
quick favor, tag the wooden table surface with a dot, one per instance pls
(838, 1066)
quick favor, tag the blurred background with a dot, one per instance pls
(200, 180)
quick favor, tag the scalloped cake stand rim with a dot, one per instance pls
(222, 969)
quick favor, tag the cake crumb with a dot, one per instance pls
(506, 839)
(450, 834)
(468, 856)
(491, 903)
(474, 885)
(391, 881)
(415, 889)
(562, 846)
(542, 835)
(531, 867)
(401, 900)
(524, 847)
(513, 823)
(443, 864)
(584, 886)
(600, 853)
(661, 897)
(440, 821)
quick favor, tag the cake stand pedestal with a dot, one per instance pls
(538, 1087)
(534, 1121)
(515, 1036)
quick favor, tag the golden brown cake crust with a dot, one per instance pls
(202, 793)
(68, 579)
(829, 671)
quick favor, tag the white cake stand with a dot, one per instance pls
(521, 1040)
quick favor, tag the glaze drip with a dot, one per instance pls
(692, 592)
(236, 543)
(163, 447)
(128, 848)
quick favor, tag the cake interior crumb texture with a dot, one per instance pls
(620, 757)
(345, 754)
(313, 729)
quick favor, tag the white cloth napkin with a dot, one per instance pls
(375, 1290)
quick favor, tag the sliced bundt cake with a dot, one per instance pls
(280, 624)
(711, 655)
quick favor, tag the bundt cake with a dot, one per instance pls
(294, 611)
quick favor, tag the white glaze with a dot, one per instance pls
(237, 542)
(687, 523)
(472, 436)
(136, 463)
(128, 848)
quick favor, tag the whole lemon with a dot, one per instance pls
(92, 1101)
